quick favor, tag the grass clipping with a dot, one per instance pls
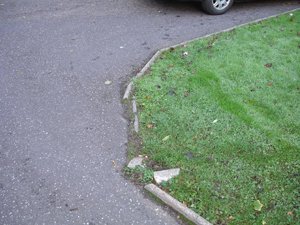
(225, 109)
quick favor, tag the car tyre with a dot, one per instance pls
(216, 7)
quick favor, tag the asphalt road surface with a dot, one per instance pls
(63, 135)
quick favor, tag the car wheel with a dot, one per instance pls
(216, 7)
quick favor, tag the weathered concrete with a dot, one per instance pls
(136, 118)
(165, 175)
(137, 161)
(176, 205)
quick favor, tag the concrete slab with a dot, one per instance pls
(165, 175)
(137, 161)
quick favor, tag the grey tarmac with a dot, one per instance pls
(63, 135)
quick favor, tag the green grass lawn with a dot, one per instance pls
(230, 105)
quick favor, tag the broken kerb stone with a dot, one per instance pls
(136, 119)
(134, 107)
(137, 161)
(165, 175)
(136, 124)
(176, 205)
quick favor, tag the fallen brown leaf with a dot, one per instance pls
(230, 218)
(186, 93)
(150, 125)
(268, 65)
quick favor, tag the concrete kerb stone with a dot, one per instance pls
(128, 90)
(165, 175)
(137, 161)
(136, 123)
(159, 52)
(136, 118)
(163, 196)
(176, 205)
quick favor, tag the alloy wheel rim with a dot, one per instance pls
(220, 4)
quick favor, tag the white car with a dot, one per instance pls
(216, 7)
